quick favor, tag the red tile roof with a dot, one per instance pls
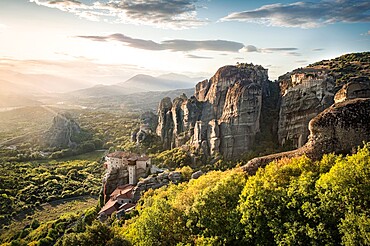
(109, 207)
(123, 191)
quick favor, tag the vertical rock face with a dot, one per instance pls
(238, 109)
(339, 129)
(231, 110)
(165, 122)
(223, 116)
(177, 120)
(305, 93)
(308, 91)
(62, 131)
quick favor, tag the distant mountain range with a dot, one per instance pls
(18, 89)
(139, 83)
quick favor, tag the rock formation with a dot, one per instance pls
(223, 116)
(156, 181)
(353, 90)
(113, 178)
(305, 93)
(308, 91)
(338, 129)
(165, 122)
(148, 124)
(62, 131)
(240, 110)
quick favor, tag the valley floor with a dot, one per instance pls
(47, 212)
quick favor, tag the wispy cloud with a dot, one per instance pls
(160, 13)
(293, 53)
(366, 33)
(171, 45)
(198, 57)
(182, 45)
(306, 14)
(318, 49)
(252, 48)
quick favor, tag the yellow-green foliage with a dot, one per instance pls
(306, 202)
(173, 158)
(291, 202)
(190, 212)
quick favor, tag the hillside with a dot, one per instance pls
(142, 82)
(114, 98)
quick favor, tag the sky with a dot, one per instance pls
(109, 41)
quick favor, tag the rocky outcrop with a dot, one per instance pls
(196, 174)
(115, 177)
(155, 181)
(308, 91)
(353, 90)
(148, 125)
(223, 116)
(176, 121)
(62, 131)
(305, 93)
(165, 122)
(339, 129)
(238, 109)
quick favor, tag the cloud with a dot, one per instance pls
(366, 33)
(177, 14)
(215, 45)
(171, 45)
(132, 42)
(183, 45)
(197, 57)
(252, 48)
(306, 14)
(318, 49)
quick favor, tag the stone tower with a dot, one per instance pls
(131, 171)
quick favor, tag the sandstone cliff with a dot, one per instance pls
(308, 91)
(240, 110)
(224, 115)
(305, 93)
(338, 129)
